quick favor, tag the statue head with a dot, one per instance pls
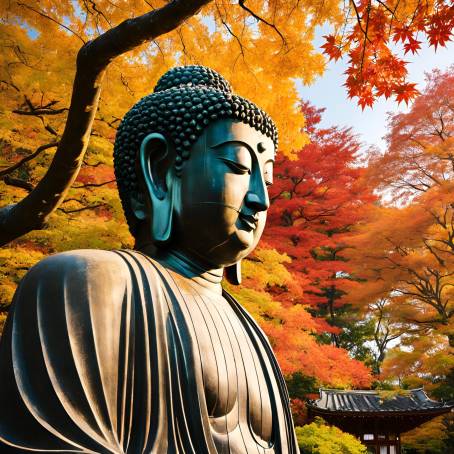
(192, 162)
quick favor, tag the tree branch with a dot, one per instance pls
(78, 210)
(358, 19)
(38, 111)
(92, 61)
(20, 163)
(18, 183)
(260, 19)
(94, 185)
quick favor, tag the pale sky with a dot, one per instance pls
(370, 124)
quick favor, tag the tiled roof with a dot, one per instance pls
(371, 401)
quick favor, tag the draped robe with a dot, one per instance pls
(112, 352)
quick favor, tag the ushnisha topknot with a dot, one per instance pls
(185, 101)
(192, 76)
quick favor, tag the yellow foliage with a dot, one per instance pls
(261, 62)
(428, 437)
(319, 438)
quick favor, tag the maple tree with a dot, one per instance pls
(316, 199)
(410, 246)
(419, 156)
(403, 249)
(291, 328)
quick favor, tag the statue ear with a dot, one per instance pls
(233, 273)
(154, 166)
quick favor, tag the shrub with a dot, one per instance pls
(319, 438)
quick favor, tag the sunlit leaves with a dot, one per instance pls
(404, 248)
(319, 438)
(374, 68)
(332, 48)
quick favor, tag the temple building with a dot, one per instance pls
(376, 420)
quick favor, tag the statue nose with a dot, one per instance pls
(253, 201)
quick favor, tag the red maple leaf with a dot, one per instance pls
(366, 97)
(384, 88)
(406, 92)
(331, 48)
(413, 45)
(439, 36)
(402, 34)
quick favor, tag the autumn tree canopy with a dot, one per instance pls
(409, 264)
(410, 241)
(403, 254)
(260, 46)
(316, 199)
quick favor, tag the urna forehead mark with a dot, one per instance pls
(227, 131)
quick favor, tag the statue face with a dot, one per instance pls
(223, 200)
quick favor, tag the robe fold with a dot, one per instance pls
(102, 353)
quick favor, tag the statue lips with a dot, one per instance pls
(249, 220)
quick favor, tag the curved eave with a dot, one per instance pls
(381, 413)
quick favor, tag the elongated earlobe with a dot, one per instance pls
(233, 273)
(154, 163)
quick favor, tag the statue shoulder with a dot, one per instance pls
(83, 263)
(92, 268)
(89, 273)
(87, 278)
(80, 278)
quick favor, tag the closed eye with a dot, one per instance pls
(236, 166)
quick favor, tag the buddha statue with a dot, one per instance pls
(142, 351)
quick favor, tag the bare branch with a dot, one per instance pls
(358, 19)
(11, 84)
(37, 112)
(18, 183)
(94, 185)
(49, 128)
(387, 8)
(366, 37)
(260, 19)
(230, 31)
(78, 210)
(20, 163)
